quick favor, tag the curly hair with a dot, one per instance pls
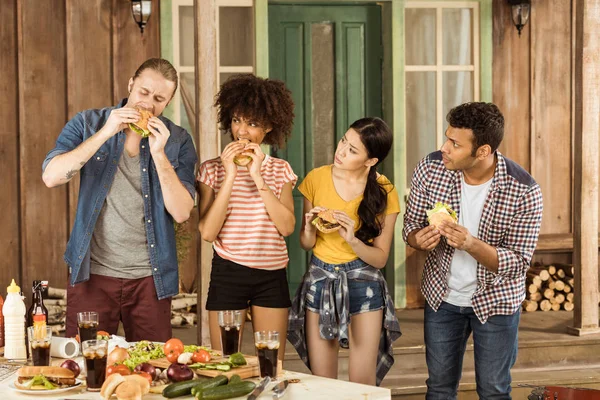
(265, 101)
(484, 119)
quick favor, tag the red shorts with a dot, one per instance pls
(132, 301)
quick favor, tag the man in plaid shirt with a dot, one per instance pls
(474, 276)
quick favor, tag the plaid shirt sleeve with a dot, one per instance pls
(415, 216)
(516, 250)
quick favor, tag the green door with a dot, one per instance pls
(330, 57)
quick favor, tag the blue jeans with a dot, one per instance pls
(495, 345)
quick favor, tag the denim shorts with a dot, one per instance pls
(365, 295)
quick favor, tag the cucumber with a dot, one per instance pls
(180, 388)
(235, 378)
(226, 392)
(210, 383)
(223, 367)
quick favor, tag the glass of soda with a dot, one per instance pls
(230, 323)
(40, 337)
(267, 349)
(88, 325)
(94, 353)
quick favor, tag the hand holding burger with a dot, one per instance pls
(242, 159)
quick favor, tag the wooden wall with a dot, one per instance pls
(532, 85)
(58, 57)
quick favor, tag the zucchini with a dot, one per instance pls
(226, 392)
(210, 383)
(235, 378)
(180, 388)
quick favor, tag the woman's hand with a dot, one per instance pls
(255, 152)
(310, 216)
(229, 152)
(347, 229)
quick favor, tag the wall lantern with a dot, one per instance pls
(520, 13)
(140, 9)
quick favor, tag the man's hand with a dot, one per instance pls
(456, 235)
(119, 118)
(425, 239)
(159, 137)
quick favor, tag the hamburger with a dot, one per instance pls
(326, 222)
(141, 127)
(241, 159)
(44, 378)
(441, 212)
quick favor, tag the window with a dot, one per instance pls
(235, 51)
(442, 69)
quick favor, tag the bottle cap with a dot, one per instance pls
(13, 288)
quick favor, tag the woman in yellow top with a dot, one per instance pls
(343, 300)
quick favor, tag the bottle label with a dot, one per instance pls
(39, 319)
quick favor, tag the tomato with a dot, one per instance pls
(144, 375)
(117, 369)
(172, 357)
(201, 356)
(173, 346)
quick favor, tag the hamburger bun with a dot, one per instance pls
(141, 126)
(129, 391)
(140, 381)
(110, 385)
(326, 222)
(240, 159)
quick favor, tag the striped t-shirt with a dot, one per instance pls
(248, 236)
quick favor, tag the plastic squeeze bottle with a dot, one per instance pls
(14, 324)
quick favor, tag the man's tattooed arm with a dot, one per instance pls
(70, 174)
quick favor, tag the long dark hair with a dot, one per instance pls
(377, 138)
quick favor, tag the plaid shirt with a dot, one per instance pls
(334, 315)
(510, 222)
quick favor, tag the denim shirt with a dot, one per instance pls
(96, 179)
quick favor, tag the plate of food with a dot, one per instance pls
(44, 380)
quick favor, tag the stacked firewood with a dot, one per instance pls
(183, 309)
(549, 288)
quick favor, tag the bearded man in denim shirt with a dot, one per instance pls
(121, 253)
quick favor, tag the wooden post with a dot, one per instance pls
(205, 42)
(587, 132)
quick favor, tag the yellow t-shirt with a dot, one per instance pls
(318, 188)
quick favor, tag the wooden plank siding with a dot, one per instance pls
(42, 114)
(88, 67)
(10, 241)
(59, 57)
(551, 71)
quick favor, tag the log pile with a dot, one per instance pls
(183, 309)
(549, 288)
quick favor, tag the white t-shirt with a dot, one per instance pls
(462, 280)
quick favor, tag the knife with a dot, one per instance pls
(279, 389)
(258, 390)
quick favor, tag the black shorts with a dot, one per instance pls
(236, 287)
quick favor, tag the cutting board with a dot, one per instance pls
(249, 370)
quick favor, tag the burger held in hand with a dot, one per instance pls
(242, 159)
(44, 378)
(326, 222)
(141, 127)
(439, 213)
